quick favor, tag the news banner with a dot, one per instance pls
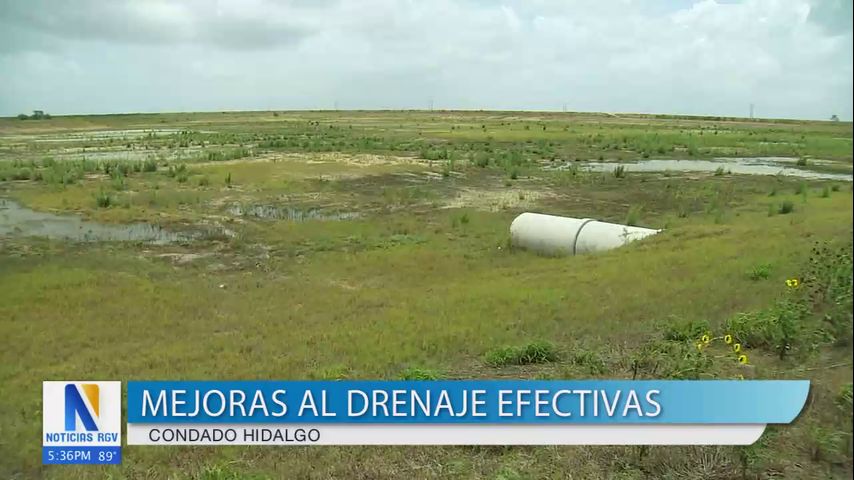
(82, 419)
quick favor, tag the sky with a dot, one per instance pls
(789, 58)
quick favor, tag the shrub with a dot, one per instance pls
(780, 328)
(685, 331)
(669, 359)
(619, 171)
(828, 285)
(786, 207)
(481, 159)
(760, 272)
(204, 181)
(103, 199)
(149, 165)
(532, 353)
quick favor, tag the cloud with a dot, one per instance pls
(791, 58)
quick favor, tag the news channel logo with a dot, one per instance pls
(82, 422)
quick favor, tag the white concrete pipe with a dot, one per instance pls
(553, 235)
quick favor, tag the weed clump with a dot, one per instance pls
(532, 353)
(786, 207)
(760, 272)
(103, 199)
(633, 216)
(416, 373)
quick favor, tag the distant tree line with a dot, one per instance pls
(37, 115)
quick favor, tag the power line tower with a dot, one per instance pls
(751, 111)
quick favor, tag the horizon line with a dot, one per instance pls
(441, 110)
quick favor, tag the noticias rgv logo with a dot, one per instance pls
(76, 408)
(81, 412)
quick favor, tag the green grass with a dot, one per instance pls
(422, 283)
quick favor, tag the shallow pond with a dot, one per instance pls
(17, 220)
(746, 166)
(289, 213)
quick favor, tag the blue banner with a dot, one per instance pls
(467, 402)
(71, 455)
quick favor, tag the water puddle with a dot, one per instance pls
(188, 153)
(107, 135)
(272, 212)
(745, 166)
(17, 220)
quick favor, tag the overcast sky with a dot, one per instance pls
(791, 58)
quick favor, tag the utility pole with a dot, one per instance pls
(751, 111)
(430, 104)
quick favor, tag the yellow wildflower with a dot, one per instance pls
(728, 339)
(736, 348)
(705, 339)
(742, 359)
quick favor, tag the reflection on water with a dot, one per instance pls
(289, 213)
(17, 220)
(746, 166)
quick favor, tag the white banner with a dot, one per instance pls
(440, 434)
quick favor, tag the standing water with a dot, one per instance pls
(745, 166)
(17, 220)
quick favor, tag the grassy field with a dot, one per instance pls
(326, 245)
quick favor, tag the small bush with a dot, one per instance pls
(204, 181)
(149, 165)
(780, 328)
(802, 162)
(481, 159)
(719, 171)
(825, 192)
(532, 353)
(685, 331)
(786, 207)
(103, 199)
(760, 272)
(619, 171)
